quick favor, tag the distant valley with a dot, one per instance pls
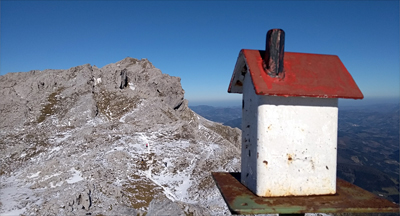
(368, 144)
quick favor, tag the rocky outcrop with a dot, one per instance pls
(164, 206)
(110, 141)
(83, 92)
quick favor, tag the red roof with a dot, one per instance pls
(306, 75)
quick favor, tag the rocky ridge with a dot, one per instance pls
(73, 142)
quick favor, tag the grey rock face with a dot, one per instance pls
(164, 206)
(110, 141)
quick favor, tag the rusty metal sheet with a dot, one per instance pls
(305, 75)
(348, 199)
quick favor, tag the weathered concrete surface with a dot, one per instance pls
(289, 144)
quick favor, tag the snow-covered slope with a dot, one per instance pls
(108, 141)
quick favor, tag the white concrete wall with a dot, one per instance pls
(249, 134)
(289, 144)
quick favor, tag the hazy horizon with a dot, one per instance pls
(342, 102)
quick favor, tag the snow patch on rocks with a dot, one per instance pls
(76, 176)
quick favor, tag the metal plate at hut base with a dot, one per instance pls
(348, 199)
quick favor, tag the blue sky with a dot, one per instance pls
(199, 41)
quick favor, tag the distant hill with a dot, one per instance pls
(230, 116)
(368, 144)
(218, 114)
(368, 148)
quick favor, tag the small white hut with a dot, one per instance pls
(290, 121)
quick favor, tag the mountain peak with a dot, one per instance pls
(107, 141)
